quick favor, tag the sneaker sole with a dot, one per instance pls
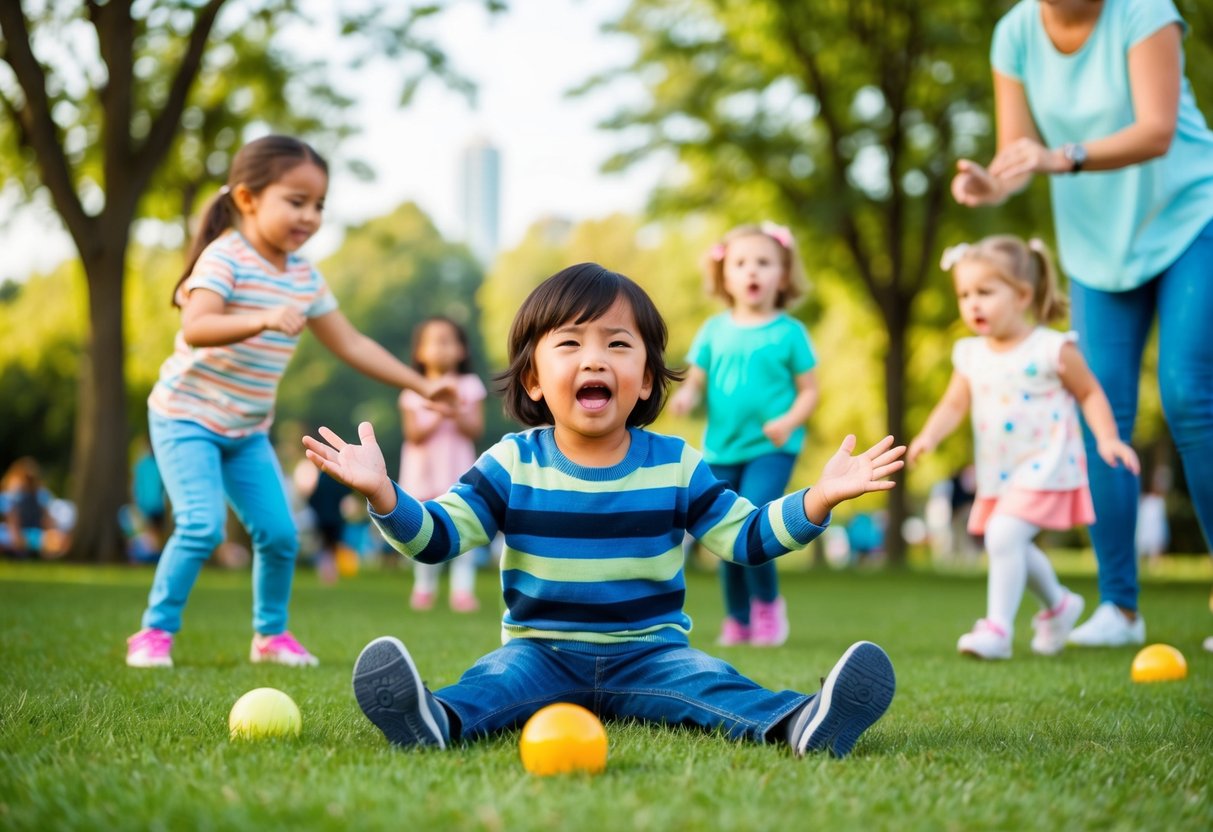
(390, 692)
(166, 662)
(256, 657)
(857, 692)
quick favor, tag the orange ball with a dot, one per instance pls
(563, 738)
(1159, 663)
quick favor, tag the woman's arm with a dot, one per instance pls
(974, 184)
(1154, 81)
(205, 321)
(780, 428)
(1078, 379)
(365, 355)
(944, 419)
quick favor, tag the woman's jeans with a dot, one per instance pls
(759, 481)
(655, 682)
(199, 468)
(1112, 331)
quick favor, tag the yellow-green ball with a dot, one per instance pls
(264, 712)
(563, 738)
(1159, 663)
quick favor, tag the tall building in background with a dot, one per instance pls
(480, 172)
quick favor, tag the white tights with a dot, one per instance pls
(1014, 561)
(463, 574)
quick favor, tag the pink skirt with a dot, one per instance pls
(1048, 509)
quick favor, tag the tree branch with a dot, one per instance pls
(115, 41)
(38, 129)
(160, 138)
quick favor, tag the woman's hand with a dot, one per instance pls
(973, 185)
(845, 476)
(361, 467)
(443, 395)
(1025, 156)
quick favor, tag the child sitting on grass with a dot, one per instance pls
(594, 509)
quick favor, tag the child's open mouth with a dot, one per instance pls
(593, 396)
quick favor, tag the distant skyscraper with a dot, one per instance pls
(480, 170)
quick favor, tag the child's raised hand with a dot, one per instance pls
(443, 395)
(284, 319)
(361, 467)
(918, 447)
(1115, 452)
(683, 401)
(845, 476)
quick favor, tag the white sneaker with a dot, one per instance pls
(986, 640)
(1209, 644)
(1053, 626)
(1108, 627)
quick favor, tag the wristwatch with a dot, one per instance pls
(1075, 154)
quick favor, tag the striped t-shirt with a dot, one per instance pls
(595, 554)
(231, 389)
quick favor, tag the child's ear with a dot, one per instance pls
(530, 383)
(646, 387)
(243, 198)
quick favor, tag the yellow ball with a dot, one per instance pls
(264, 712)
(563, 738)
(1159, 663)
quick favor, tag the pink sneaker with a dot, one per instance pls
(150, 648)
(464, 602)
(421, 601)
(733, 632)
(280, 649)
(768, 623)
(986, 641)
(1053, 626)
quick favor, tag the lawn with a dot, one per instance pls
(1062, 743)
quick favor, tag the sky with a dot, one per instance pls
(523, 62)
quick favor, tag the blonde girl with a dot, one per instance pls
(1023, 382)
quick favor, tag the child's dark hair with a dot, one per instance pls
(256, 166)
(464, 367)
(579, 294)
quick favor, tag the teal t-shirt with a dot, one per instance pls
(751, 374)
(1115, 229)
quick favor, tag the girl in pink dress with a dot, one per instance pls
(1022, 381)
(438, 449)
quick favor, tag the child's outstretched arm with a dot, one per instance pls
(1077, 377)
(686, 397)
(780, 428)
(367, 356)
(944, 419)
(361, 467)
(205, 321)
(845, 476)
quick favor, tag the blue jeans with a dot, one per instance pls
(200, 468)
(665, 683)
(1112, 329)
(759, 481)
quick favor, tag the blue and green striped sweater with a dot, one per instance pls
(594, 554)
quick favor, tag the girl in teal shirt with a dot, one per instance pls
(754, 366)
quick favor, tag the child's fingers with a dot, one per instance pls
(314, 447)
(879, 448)
(332, 438)
(366, 432)
(881, 485)
(316, 459)
(883, 471)
(848, 444)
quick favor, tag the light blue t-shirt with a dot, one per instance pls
(1115, 229)
(751, 374)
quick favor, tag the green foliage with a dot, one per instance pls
(388, 275)
(1034, 743)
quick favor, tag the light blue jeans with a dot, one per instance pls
(760, 480)
(200, 468)
(665, 683)
(1112, 331)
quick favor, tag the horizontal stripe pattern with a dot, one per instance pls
(231, 389)
(594, 554)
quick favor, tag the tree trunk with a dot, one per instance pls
(99, 463)
(894, 383)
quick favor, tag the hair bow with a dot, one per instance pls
(225, 190)
(953, 255)
(778, 233)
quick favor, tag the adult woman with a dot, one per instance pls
(1093, 93)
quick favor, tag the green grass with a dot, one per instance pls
(1069, 742)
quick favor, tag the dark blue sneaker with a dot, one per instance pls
(391, 694)
(855, 694)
